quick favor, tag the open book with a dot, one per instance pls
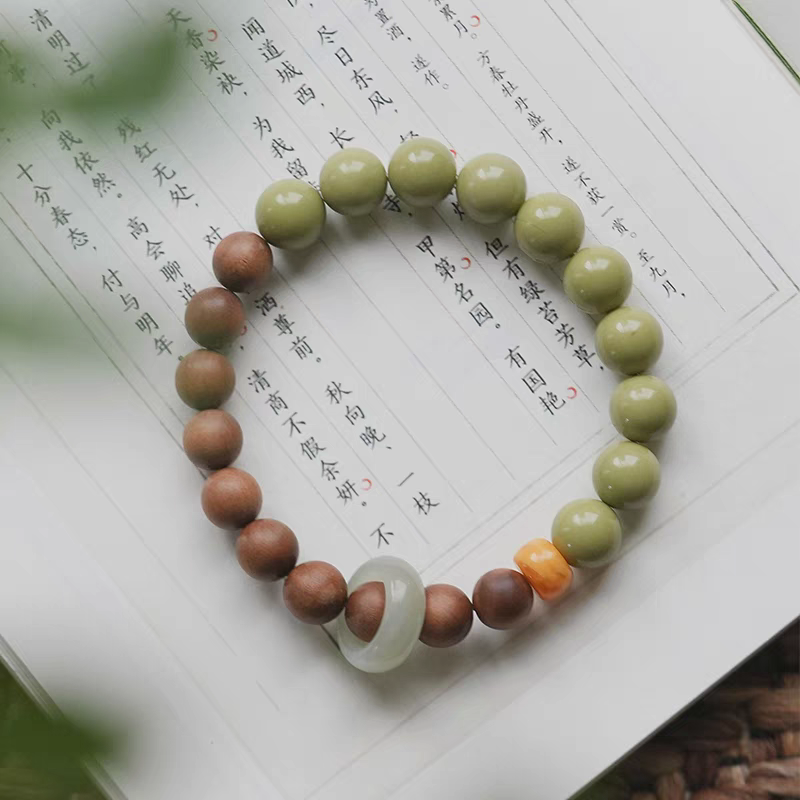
(412, 385)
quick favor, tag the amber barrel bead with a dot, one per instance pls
(214, 318)
(267, 549)
(315, 592)
(241, 261)
(231, 498)
(502, 599)
(204, 379)
(212, 439)
(545, 569)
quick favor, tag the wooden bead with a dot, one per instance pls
(502, 599)
(231, 498)
(364, 610)
(267, 549)
(315, 592)
(214, 318)
(212, 439)
(448, 616)
(241, 261)
(204, 379)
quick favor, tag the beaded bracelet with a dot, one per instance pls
(385, 608)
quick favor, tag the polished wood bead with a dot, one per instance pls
(241, 261)
(267, 549)
(212, 439)
(364, 610)
(502, 599)
(204, 379)
(315, 592)
(214, 318)
(231, 498)
(448, 616)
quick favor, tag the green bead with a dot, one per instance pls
(549, 227)
(643, 408)
(629, 340)
(587, 533)
(598, 279)
(491, 188)
(626, 475)
(353, 182)
(422, 172)
(290, 214)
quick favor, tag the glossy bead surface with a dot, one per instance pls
(491, 188)
(643, 408)
(502, 599)
(290, 214)
(267, 549)
(315, 592)
(212, 439)
(241, 261)
(587, 533)
(545, 569)
(353, 182)
(422, 172)
(448, 616)
(231, 498)
(204, 379)
(598, 279)
(629, 340)
(402, 619)
(626, 475)
(214, 318)
(549, 227)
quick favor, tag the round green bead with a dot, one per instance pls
(290, 214)
(587, 533)
(422, 172)
(626, 475)
(629, 340)
(549, 227)
(643, 408)
(353, 182)
(491, 188)
(598, 279)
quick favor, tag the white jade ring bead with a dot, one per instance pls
(403, 615)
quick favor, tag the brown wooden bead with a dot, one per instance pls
(448, 616)
(502, 599)
(267, 549)
(212, 439)
(241, 261)
(315, 592)
(204, 379)
(364, 610)
(231, 498)
(214, 318)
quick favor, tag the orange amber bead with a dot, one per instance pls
(545, 569)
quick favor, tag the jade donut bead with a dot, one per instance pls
(629, 340)
(353, 182)
(587, 533)
(422, 172)
(491, 188)
(290, 214)
(549, 227)
(626, 475)
(643, 408)
(598, 279)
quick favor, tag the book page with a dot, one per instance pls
(412, 385)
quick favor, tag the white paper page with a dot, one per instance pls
(451, 384)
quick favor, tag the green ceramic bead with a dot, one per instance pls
(491, 188)
(290, 214)
(587, 533)
(353, 182)
(626, 475)
(549, 227)
(643, 408)
(598, 279)
(629, 340)
(422, 172)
